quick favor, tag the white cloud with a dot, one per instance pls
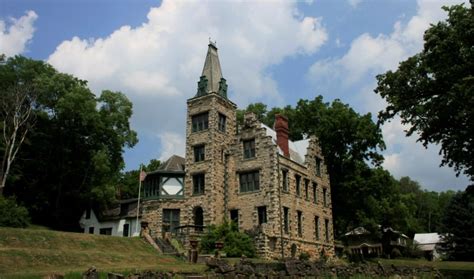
(354, 3)
(159, 63)
(355, 72)
(15, 36)
(171, 144)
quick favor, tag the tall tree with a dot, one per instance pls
(16, 113)
(73, 155)
(459, 226)
(433, 91)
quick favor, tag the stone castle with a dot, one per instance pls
(249, 173)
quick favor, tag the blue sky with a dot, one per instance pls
(275, 52)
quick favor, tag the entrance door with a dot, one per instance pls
(198, 218)
(170, 220)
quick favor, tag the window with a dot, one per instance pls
(300, 222)
(105, 231)
(91, 230)
(315, 192)
(249, 181)
(326, 228)
(249, 148)
(222, 120)
(126, 229)
(325, 199)
(318, 166)
(298, 187)
(262, 214)
(286, 220)
(306, 186)
(234, 217)
(170, 219)
(285, 180)
(316, 227)
(198, 184)
(200, 122)
(199, 153)
(88, 213)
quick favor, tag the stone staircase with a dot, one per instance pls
(166, 247)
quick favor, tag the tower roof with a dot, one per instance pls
(211, 80)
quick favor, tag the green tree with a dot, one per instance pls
(72, 157)
(433, 91)
(459, 225)
(128, 183)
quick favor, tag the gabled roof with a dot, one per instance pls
(298, 149)
(427, 238)
(174, 163)
(358, 231)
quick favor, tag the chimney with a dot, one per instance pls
(281, 128)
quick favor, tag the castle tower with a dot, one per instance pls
(210, 131)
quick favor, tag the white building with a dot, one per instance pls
(429, 243)
(119, 221)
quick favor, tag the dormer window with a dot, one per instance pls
(222, 121)
(249, 148)
(318, 166)
(200, 122)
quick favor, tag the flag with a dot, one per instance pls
(142, 176)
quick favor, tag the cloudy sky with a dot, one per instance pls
(275, 52)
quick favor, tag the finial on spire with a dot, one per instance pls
(214, 44)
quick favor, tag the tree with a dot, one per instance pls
(459, 226)
(16, 113)
(72, 156)
(433, 91)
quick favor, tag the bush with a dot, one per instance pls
(304, 256)
(236, 243)
(395, 253)
(12, 214)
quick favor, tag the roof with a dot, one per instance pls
(298, 149)
(212, 69)
(357, 231)
(122, 209)
(174, 163)
(427, 238)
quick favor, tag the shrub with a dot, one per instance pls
(236, 243)
(395, 253)
(12, 214)
(304, 256)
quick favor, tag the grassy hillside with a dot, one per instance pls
(26, 251)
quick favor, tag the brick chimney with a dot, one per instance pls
(281, 128)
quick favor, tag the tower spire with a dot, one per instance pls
(211, 80)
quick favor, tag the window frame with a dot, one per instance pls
(249, 148)
(201, 155)
(298, 185)
(285, 181)
(286, 220)
(200, 122)
(222, 122)
(262, 214)
(316, 227)
(252, 185)
(199, 184)
(299, 220)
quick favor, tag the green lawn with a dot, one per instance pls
(28, 252)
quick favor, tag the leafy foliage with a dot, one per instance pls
(236, 243)
(128, 182)
(459, 226)
(13, 215)
(73, 155)
(433, 91)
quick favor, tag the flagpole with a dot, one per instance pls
(138, 202)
